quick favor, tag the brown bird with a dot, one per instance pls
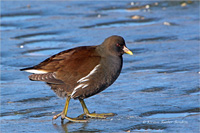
(82, 72)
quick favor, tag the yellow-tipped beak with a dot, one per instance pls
(126, 50)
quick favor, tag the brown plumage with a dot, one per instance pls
(82, 71)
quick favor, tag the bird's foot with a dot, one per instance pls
(100, 116)
(77, 119)
(81, 118)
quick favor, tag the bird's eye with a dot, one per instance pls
(118, 45)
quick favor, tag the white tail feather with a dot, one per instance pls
(36, 71)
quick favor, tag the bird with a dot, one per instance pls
(82, 72)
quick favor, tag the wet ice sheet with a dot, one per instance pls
(157, 91)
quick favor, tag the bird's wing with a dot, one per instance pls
(66, 67)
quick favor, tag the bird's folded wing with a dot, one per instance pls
(66, 67)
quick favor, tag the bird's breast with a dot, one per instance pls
(108, 72)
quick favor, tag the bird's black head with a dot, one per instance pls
(115, 45)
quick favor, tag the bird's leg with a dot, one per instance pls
(94, 115)
(63, 114)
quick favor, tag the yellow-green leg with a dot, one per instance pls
(94, 115)
(63, 114)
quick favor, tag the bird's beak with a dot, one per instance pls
(126, 50)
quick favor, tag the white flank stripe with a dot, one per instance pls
(78, 86)
(75, 89)
(36, 71)
(85, 86)
(86, 77)
(83, 80)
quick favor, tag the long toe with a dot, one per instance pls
(56, 116)
(101, 116)
(77, 119)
